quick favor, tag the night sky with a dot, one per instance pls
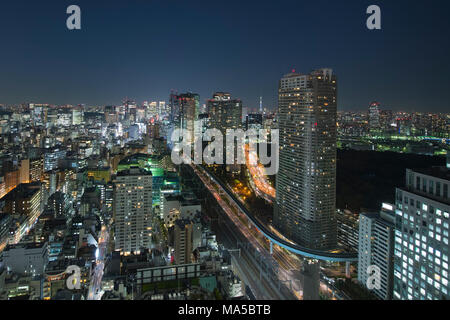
(143, 49)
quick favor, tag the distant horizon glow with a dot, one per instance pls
(145, 49)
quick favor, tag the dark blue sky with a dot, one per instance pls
(142, 48)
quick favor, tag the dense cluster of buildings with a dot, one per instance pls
(409, 240)
(67, 173)
(403, 249)
(95, 188)
(380, 129)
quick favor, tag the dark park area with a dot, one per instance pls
(365, 179)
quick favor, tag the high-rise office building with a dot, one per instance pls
(421, 269)
(376, 248)
(152, 109)
(174, 108)
(162, 108)
(184, 110)
(77, 116)
(52, 158)
(183, 230)
(24, 171)
(36, 169)
(374, 116)
(306, 181)
(25, 199)
(133, 210)
(225, 112)
(26, 258)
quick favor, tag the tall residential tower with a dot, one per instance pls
(133, 210)
(306, 181)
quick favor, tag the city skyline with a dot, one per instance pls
(224, 151)
(135, 53)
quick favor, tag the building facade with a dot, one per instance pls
(133, 210)
(183, 231)
(306, 181)
(26, 258)
(376, 248)
(185, 109)
(225, 112)
(421, 269)
(374, 116)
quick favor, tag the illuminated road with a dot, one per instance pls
(275, 239)
(95, 292)
(258, 180)
(262, 187)
(289, 263)
(258, 244)
(247, 267)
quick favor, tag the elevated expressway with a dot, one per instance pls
(271, 236)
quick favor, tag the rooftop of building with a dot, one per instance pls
(294, 74)
(437, 172)
(60, 265)
(186, 95)
(182, 223)
(135, 158)
(26, 246)
(185, 198)
(23, 190)
(134, 171)
(58, 195)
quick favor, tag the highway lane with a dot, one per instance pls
(234, 215)
(259, 180)
(295, 248)
(288, 262)
(247, 266)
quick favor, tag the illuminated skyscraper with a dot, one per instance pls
(162, 108)
(306, 181)
(153, 109)
(225, 113)
(133, 209)
(183, 241)
(77, 116)
(376, 248)
(374, 116)
(421, 262)
(184, 110)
